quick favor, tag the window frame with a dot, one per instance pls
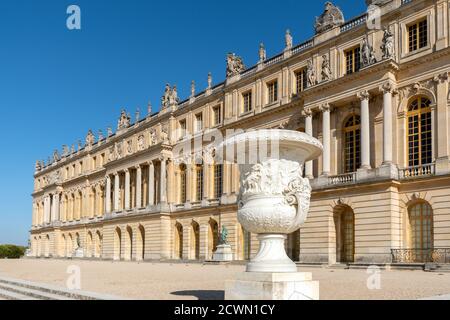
(356, 63)
(250, 103)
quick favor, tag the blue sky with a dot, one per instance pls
(56, 84)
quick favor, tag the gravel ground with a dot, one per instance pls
(192, 281)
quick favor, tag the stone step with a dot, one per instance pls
(8, 295)
(33, 293)
(57, 291)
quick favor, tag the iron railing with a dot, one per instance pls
(439, 255)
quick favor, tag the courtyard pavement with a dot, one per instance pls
(206, 282)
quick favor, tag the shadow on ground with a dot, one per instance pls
(201, 294)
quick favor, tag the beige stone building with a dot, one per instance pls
(374, 90)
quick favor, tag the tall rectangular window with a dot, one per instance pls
(247, 102)
(199, 173)
(218, 181)
(353, 60)
(183, 184)
(217, 115)
(301, 81)
(199, 122)
(272, 91)
(418, 35)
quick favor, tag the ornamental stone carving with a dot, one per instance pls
(141, 143)
(56, 156)
(330, 18)
(367, 53)
(129, 147)
(262, 53)
(311, 74)
(170, 97)
(326, 69)
(153, 137)
(90, 138)
(235, 65)
(274, 197)
(388, 46)
(124, 120)
(288, 39)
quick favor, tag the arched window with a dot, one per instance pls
(421, 222)
(352, 144)
(419, 132)
(182, 184)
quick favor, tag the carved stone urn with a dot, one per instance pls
(274, 197)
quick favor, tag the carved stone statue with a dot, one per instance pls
(124, 120)
(326, 69)
(223, 236)
(262, 53)
(165, 134)
(149, 109)
(311, 74)
(56, 156)
(332, 17)
(388, 47)
(100, 135)
(72, 149)
(141, 142)
(90, 138)
(288, 39)
(129, 147)
(209, 80)
(367, 54)
(153, 138)
(112, 154)
(109, 132)
(170, 97)
(235, 65)
(192, 89)
(65, 151)
(38, 166)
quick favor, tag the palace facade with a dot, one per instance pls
(374, 90)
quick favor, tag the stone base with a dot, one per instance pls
(78, 253)
(272, 286)
(224, 253)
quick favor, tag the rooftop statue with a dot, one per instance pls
(332, 17)
(124, 120)
(235, 65)
(170, 97)
(90, 138)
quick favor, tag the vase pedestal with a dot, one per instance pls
(255, 286)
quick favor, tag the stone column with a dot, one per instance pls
(387, 90)
(151, 184)
(138, 187)
(326, 134)
(163, 182)
(108, 195)
(46, 209)
(116, 191)
(365, 130)
(127, 189)
(309, 131)
(55, 215)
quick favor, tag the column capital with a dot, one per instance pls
(441, 78)
(325, 107)
(363, 95)
(387, 87)
(150, 163)
(138, 167)
(307, 113)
